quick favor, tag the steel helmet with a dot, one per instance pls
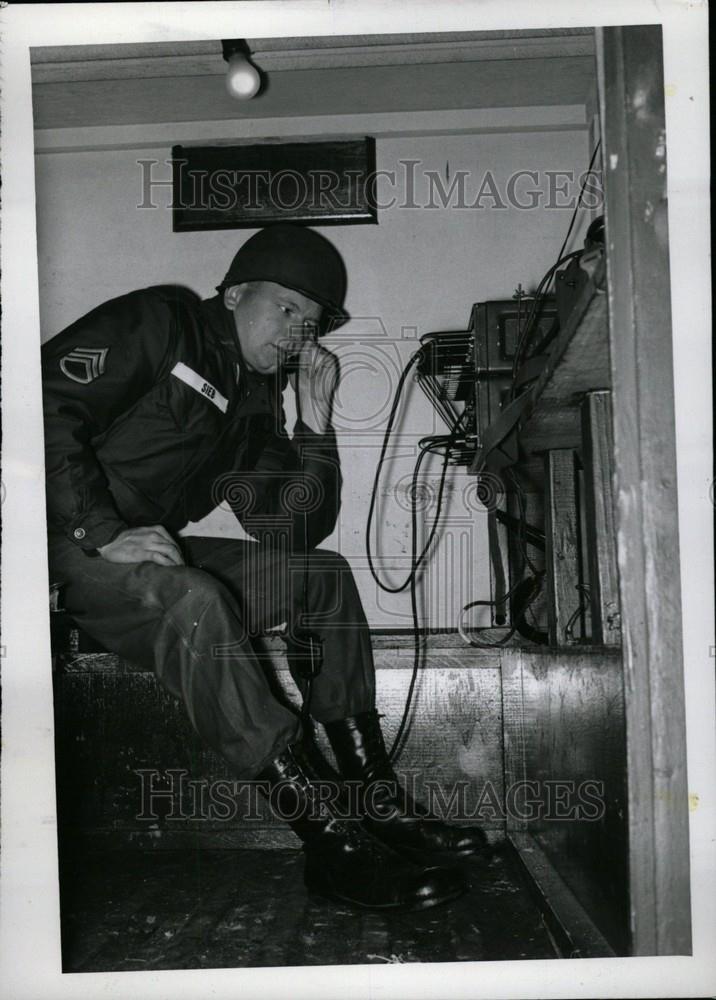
(295, 257)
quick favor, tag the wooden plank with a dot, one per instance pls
(52, 64)
(597, 456)
(632, 114)
(521, 752)
(579, 359)
(576, 932)
(573, 738)
(582, 627)
(379, 124)
(352, 90)
(578, 362)
(513, 733)
(108, 766)
(386, 643)
(562, 537)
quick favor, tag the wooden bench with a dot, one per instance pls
(121, 739)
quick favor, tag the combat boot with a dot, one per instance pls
(389, 811)
(343, 861)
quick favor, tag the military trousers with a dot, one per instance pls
(195, 627)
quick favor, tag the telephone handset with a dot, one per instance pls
(290, 364)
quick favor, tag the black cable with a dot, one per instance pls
(519, 611)
(415, 564)
(494, 603)
(396, 747)
(301, 611)
(521, 346)
(381, 459)
(581, 195)
(518, 615)
(539, 297)
(522, 538)
(416, 560)
(531, 585)
(489, 604)
(430, 447)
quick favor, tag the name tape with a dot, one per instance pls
(191, 378)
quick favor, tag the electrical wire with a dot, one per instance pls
(543, 289)
(446, 441)
(308, 692)
(584, 591)
(412, 579)
(536, 578)
(386, 438)
(443, 406)
(581, 195)
(449, 443)
(521, 536)
(487, 604)
(539, 297)
(536, 586)
(415, 563)
(521, 351)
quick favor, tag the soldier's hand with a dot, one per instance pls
(151, 544)
(315, 383)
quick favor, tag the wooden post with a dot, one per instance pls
(597, 453)
(631, 89)
(562, 538)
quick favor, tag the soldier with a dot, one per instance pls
(158, 406)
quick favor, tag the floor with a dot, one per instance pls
(136, 910)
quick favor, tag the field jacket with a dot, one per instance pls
(152, 417)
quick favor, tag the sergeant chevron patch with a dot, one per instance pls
(84, 364)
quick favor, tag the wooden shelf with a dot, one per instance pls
(578, 363)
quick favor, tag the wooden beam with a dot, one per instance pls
(563, 718)
(514, 756)
(576, 933)
(562, 541)
(578, 362)
(341, 91)
(162, 135)
(634, 147)
(597, 452)
(53, 64)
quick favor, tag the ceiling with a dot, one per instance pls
(100, 85)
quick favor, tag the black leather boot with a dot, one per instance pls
(343, 861)
(389, 812)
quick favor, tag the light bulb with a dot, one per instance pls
(242, 79)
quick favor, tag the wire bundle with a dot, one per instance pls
(543, 288)
(427, 445)
(522, 594)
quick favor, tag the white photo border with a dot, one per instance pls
(29, 899)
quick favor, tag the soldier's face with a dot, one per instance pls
(270, 321)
